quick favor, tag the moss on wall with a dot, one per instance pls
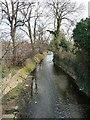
(30, 65)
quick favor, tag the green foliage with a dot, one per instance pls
(64, 44)
(55, 33)
(59, 41)
(52, 45)
(55, 42)
(81, 34)
(6, 70)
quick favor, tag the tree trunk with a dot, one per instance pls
(57, 35)
(34, 31)
(13, 31)
(30, 36)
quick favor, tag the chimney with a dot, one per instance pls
(89, 9)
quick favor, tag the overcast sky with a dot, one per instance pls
(85, 2)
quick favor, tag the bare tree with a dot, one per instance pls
(27, 15)
(10, 12)
(38, 14)
(31, 14)
(63, 11)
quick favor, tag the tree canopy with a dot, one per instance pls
(81, 34)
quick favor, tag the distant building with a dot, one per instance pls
(89, 9)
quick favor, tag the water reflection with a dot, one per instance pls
(58, 95)
(34, 86)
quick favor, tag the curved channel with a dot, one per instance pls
(55, 94)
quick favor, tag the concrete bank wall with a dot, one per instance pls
(67, 69)
(10, 82)
(70, 71)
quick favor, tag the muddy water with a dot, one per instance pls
(55, 95)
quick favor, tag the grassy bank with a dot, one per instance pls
(29, 65)
(21, 94)
(13, 71)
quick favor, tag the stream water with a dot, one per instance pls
(55, 94)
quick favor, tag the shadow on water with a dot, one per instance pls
(82, 98)
(72, 92)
